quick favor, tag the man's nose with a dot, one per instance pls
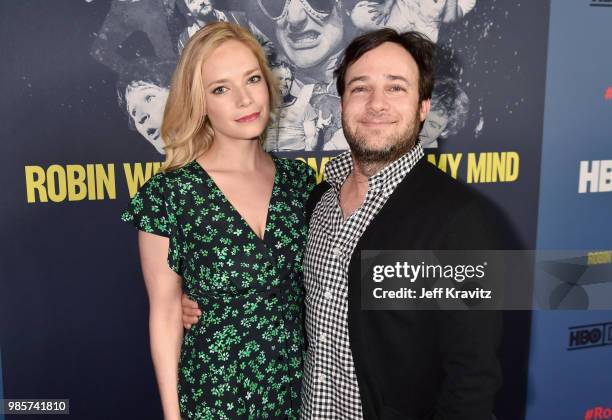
(377, 101)
(142, 117)
(296, 15)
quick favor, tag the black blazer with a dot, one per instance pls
(424, 364)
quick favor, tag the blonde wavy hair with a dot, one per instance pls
(186, 129)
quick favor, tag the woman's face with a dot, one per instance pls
(434, 126)
(235, 92)
(145, 103)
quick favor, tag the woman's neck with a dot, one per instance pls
(233, 155)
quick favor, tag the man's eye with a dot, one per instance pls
(219, 90)
(358, 89)
(397, 88)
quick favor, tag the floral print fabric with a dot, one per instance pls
(243, 359)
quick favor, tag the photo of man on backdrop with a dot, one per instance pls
(304, 45)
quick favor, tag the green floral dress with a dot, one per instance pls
(243, 359)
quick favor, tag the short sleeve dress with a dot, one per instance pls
(243, 359)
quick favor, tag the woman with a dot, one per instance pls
(229, 219)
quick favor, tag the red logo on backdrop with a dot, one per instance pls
(608, 94)
(598, 413)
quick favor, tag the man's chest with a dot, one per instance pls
(330, 246)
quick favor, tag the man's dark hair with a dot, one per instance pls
(417, 44)
(448, 97)
(276, 62)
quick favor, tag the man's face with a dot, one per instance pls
(306, 39)
(199, 8)
(381, 115)
(145, 104)
(285, 79)
(434, 126)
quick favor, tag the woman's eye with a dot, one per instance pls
(254, 79)
(219, 90)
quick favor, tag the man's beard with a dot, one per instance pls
(203, 12)
(397, 145)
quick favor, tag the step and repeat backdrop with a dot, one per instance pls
(521, 112)
(571, 351)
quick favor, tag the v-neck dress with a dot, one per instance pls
(243, 359)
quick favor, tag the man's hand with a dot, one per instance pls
(191, 311)
(380, 11)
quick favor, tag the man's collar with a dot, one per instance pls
(338, 169)
(385, 180)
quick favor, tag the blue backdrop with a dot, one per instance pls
(565, 382)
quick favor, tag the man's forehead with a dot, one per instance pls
(386, 59)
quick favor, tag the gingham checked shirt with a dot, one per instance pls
(330, 389)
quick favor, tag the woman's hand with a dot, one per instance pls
(191, 312)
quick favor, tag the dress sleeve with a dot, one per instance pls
(148, 209)
(151, 210)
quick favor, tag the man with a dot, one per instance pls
(389, 364)
(142, 94)
(448, 113)
(310, 34)
(145, 102)
(297, 125)
(199, 13)
(424, 16)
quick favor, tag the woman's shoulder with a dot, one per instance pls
(297, 173)
(185, 174)
(171, 183)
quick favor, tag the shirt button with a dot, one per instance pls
(328, 295)
(336, 251)
(322, 378)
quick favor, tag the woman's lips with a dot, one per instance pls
(249, 118)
